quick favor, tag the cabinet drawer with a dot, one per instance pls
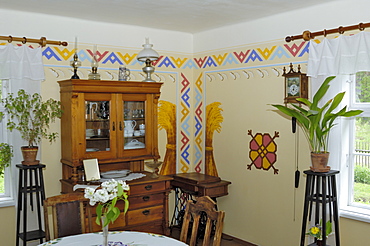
(147, 188)
(148, 200)
(118, 224)
(144, 215)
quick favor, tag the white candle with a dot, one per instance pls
(94, 50)
(76, 44)
(146, 40)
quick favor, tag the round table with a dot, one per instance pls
(115, 238)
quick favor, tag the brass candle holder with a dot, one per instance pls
(75, 64)
(94, 70)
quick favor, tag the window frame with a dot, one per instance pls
(347, 208)
(8, 197)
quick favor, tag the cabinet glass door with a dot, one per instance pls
(97, 116)
(134, 125)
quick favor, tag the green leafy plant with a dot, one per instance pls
(316, 121)
(316, 231)
(6, 154)
(31, 116)
(362, 174)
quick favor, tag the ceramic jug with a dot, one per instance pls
(123, 73)
(130, 125)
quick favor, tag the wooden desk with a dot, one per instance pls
(187, 185)
(199, 184)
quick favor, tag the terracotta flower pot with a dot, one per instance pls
(319, 162)
(29, 155)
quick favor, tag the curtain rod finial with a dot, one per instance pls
(289, 38)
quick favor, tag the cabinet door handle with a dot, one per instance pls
(146, 198)
(120, 126)
(146, 212)
(113, 126)
(148, 187)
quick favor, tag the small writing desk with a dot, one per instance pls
(187, 185)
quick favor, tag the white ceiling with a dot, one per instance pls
(190, 16)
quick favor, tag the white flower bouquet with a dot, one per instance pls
(106, 196)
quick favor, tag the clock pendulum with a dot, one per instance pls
(297, 172)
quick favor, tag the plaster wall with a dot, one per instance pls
(113, 38)
(261, 207)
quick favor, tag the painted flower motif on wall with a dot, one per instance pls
(263, 151)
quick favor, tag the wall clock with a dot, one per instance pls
(296, 85)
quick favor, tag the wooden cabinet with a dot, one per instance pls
(100, 120)
(115, 122)
(148, 209)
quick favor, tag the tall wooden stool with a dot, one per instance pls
(322, 192)
(31, 182)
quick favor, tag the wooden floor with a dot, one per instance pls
(226, 240)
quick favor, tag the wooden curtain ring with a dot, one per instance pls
(306, 35)
(360, 27)
(325, 33)
(340, 30)
(10, 39)
(24, 40)
(43, 41)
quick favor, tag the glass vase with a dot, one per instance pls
(105, 231)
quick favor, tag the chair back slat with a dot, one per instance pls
(204, 207)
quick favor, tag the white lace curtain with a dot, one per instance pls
(340, 57)
(21, 62)
(21, 67)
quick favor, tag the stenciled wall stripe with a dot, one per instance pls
(237, 58)
(260, 54)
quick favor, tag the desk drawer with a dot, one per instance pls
(144, 215)
(147, 188)
(148, 200)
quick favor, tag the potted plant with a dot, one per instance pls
(31, 117)
(317, 122)
(6, 154)
(316, 232)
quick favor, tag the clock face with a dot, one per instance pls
(293, 89)
(293, 86)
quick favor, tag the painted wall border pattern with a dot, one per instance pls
(237, 58)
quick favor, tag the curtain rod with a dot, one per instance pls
(307, 35)
(42, 41)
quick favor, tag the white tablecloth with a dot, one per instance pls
(116, 238)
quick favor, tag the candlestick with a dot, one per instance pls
(75, 64)
(95, 50)
(94, 65)
(76, 44)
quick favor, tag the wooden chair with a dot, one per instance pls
(68, 215)
(193, 212)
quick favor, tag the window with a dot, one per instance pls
(355, 171)
(6, 186)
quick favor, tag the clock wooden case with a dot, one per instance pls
(296, 85)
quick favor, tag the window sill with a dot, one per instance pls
(355, 213)
(6, 202)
